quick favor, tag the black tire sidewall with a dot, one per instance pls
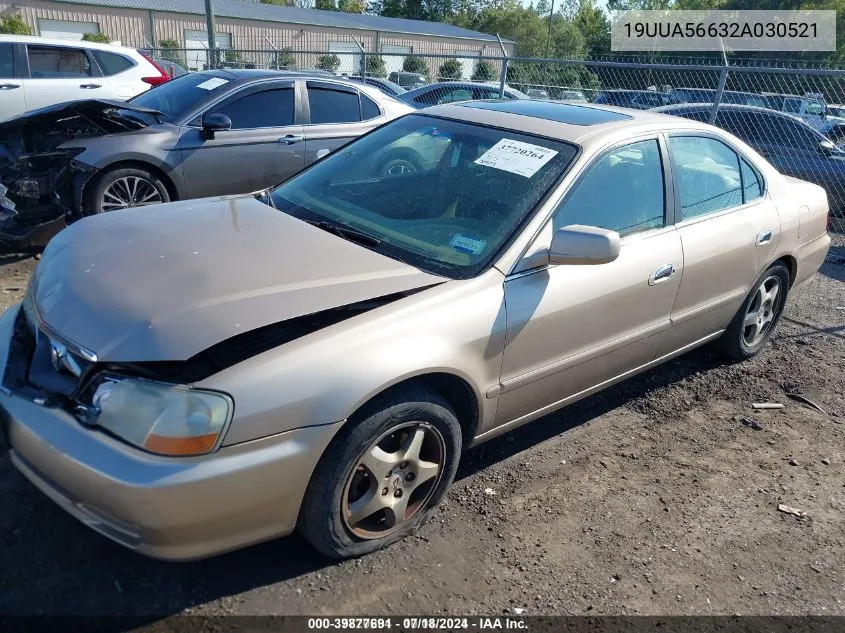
(95, 192)
(320, 518)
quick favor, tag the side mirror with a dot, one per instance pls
(827, 147)
(215, 122)
(583, 245)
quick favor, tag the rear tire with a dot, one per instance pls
(755, 321)
(350, 505)
(124, 188)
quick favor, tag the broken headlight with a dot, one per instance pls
(162, 418)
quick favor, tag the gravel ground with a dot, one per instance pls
(658, 496)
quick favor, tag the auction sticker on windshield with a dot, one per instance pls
(516, 157)
(211, 84)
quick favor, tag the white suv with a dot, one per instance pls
(36, 72)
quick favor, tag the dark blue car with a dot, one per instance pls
(795, 148)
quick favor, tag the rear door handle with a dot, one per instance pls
(89, 86)
(764, 237)
(290, 139)
(661, 274)
(9, 86)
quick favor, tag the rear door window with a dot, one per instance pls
(57, 62)
(707, 173)
(330, 105)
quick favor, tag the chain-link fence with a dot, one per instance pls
(789, 113)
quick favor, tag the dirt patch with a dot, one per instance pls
(658, 496)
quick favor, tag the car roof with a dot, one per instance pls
(49, 41)
(240, 76)
(733, 107)
(564, 121)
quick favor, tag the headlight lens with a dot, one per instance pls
(160, 418)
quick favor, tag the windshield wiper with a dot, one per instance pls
(346, 232)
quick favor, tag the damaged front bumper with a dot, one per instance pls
(39, 196)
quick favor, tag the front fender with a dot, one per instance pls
(455, 328)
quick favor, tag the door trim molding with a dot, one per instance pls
(582, 357)
(507, 426)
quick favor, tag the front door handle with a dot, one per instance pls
(664, 273)
(290, 139)
(90, 86)
(764, 237)
(9, 86)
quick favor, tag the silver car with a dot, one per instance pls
(203, 375)
(202, 134)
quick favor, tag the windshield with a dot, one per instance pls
(177, 97)
(441, 195)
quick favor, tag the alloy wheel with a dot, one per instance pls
(761, 311)
(393, 480)
(130, 191)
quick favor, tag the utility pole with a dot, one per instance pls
(212, 42)
(548, 43)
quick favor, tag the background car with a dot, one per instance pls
(706, 95)
(452, 91)
(537, 93)
(834, 109)
(573, 96)
(407, 80)
(171, 67)
(203, 134)
(36, 72)
(385, 85)
(635, 99)
(791, 145)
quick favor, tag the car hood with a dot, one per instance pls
(90, 109)
(169, 281)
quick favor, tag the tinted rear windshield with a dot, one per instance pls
(179, 96)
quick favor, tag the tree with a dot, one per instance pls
(302, 4)
(415, 64)
(100, 38)
(329, 61)
(284, 59)
(350, 6)
(325, 5)
(450, 69)
(594, 26)
(375, 66)
(14, 25)
(483, 71)
(543, 8)
(169, 51)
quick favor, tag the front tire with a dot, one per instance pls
(384, 476)
(754, 323)
(125, 188)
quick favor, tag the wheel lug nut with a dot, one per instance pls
(384, 491)
(397, 494)
(409, 477)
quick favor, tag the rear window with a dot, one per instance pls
(112, 63)
(179, 96)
